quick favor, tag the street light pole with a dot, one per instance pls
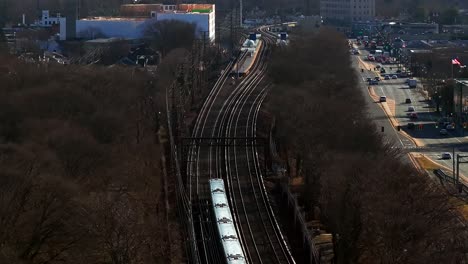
(453, 165)
(459, 160)
(461, 109)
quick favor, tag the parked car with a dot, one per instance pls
(446, 155)
(410, 108)
(383, 99)
(443, 132)
(408, 101)
(450, 127)
(394, 77)
(387, 77)
(377, 78)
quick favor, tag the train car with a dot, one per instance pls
(233, 252)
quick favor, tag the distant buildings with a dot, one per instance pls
(460, 100)
(47, 20)
(345, 12)
(134, 19)
(415, 28)
(310, 23)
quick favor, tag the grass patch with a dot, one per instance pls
(426, 163)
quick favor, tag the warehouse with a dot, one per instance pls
(134, 19)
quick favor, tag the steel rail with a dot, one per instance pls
(248, 87)
(286, 254)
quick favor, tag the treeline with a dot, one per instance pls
(80, 166)
(380, 209)
(420, 10)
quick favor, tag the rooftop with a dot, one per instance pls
(116, 18)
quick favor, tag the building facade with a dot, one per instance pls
(460, 100)
(135, 19)
(47, 20)
(347, 11)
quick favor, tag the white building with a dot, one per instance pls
(47, 20)
(347, 11)
(205, 22)
(134, 26)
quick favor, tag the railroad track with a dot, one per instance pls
(231, 111)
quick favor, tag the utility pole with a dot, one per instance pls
(240, 12)
(459, 160)
(453, 165)
(231, 28)
(461, 110)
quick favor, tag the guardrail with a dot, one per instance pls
(462, 188)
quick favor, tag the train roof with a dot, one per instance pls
(224, 221)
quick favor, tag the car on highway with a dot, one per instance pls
(443, 132)
(410, 108)
(373, 82)
(394, 77)
(383, 99)
(368, 79)
(408, 100)
(450, 127)
(446, 155)
(387, 77)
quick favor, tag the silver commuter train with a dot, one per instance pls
(229, 238)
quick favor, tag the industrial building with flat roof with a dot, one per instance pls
(134, 19)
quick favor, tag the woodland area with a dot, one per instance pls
(81, 172)
(383, 210)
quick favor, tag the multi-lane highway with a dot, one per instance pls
(224, 145)
(396, 112)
